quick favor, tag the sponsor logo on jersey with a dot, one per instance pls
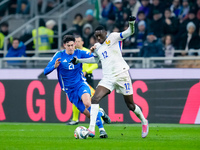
(65, 60)
(108, 42)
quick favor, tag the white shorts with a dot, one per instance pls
(122, 83)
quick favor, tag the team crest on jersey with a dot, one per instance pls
(108, 42)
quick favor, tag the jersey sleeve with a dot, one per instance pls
(116, 37)
(85, 54)
(50, 67)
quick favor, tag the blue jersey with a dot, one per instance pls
(69, 75)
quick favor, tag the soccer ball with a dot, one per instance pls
(81, 132)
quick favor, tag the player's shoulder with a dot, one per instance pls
(59, 53)
(113, 34)
(80, 52)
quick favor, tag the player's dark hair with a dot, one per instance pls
(100, 27)
(68, 38)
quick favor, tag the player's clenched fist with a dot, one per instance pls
(57, 63)
(92, 49)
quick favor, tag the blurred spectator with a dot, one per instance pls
(190, 40)
(176, 8)
(170, 23)
(26, 35)
(197, 9)
(128, 43)
(156, 24)
(54, 45)
(115, 29)
(3, 33)
(47, 5)
(23, 6)
(168, 48)
(50, 24)
(87, 31)
(107, 8)
(191, 18)
(119, 16)
(157, 5)
(16, 50)
(45, 38)
(146, 7)
(140, 35)
(90, 19)
(92, 41)
(3, 8)
(78, 23)
(12, 7)
(141, 16)
(133, 6)
(152, 47)
(185, 10)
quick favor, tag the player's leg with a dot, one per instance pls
(98, 95)
(85, 97)
(124, 86)
(75, 113)
(86, 102)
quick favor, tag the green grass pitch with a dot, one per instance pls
(55, 136)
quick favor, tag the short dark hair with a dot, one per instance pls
(4, 24)
(100, 27)
(68, 38)
(78, 15)
(15, 39)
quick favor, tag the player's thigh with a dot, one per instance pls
(123, 84)
(86, 100)
(73, 97)
(100, 93)
(84, 94)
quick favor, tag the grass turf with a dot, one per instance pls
(121, 136)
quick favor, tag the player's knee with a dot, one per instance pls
(131, 106)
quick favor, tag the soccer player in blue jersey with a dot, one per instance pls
(72, 81)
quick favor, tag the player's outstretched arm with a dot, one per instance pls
(85, 60)
(131, 29)
(53, 64)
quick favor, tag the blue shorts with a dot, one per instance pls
(75, 95)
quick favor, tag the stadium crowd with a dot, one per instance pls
(161, 27)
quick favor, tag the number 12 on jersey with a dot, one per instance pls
(105, 55)
(127, 86)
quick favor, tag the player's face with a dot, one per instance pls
(79, 43)
(100, 35)
(70, 47)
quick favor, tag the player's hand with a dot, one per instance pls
(74, 61)
(132, 18)
(92, 49)
(57, 63)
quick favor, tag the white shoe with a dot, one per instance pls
(145, 129)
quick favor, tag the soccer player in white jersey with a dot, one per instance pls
(115, 73)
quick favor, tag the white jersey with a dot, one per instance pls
(111, 56)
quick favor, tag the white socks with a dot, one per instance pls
(139, 114)
(93, 116)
